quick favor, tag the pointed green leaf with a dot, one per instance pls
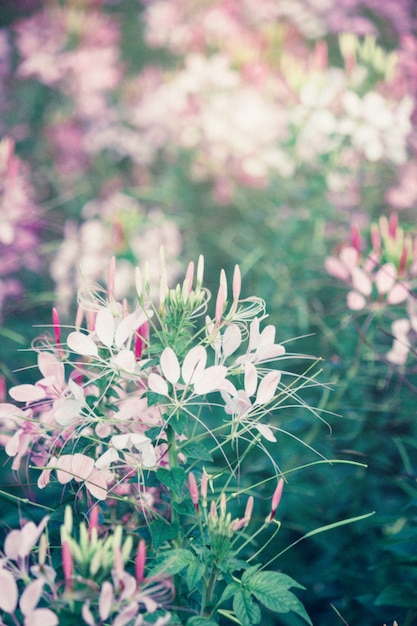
(196, 451)
(229, 592)
(173, 479)
(162, 531)
(271, 590)
(247, 612)
(197, 620)
(173, 562)
(195, 572)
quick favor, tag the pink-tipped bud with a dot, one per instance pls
(111, 278)
(393, 225)
(249, 509)
(93, 523)
(213, 511)
(67, 564)
(375, 238)
(3, 393)
(203, 486)
(276, 498)
(237, 283)
(223, 504)
(321, 55)
(57, 330)
(221, 298)
(118, 560)
(355, 238)
(140, 562)
(189, 277)
(142, 339)
(402, 264)
(192, 485)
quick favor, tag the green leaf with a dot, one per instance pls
(247, 612)
(156, 398)
(196, 451)
(271, 590)
(229, 592)
(197, 620)
(195, 573)
(173, 479)
(173, 562)
(162, 531)
(397, 594)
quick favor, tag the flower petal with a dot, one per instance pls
(27, 393)
(31, 596)
(82, 344)
(41, 617)
(194, 363)
(104, 326)
(385, 277)
(212, 379)
(9, 593)
(157, 384)
(267, 387)
(170, 366)
(232, 339)
(251, 378)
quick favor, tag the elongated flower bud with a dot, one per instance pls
(276, 498)
(67, 564)
(192, 484)
(140, 562)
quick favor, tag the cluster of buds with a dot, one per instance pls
(95, 582)
(382, 275)
(221, 526)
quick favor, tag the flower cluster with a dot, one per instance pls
(382, 275)
(86, 579)
(129, 403)
(20, 222)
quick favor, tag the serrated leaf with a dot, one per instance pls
(195, 572)
(197, 620)
(196, 451)
(162, 531)
(247, 612)
(173, 479)
(229, 592)
(397, 594)
(173, 562)
(156, 398)
(271, 590)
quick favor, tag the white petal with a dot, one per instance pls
(251, 378)
(31, 596)
(157, 384)
(27, 393)
(194, 363)
(212, 379)
(82, 344)
(361, 281)
(232, 339)
(355, 301)
(266, 432)
(9, 594)
(267, 387)
(104, 326)
(385, 277)
(170, 366)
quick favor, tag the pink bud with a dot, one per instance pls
(249, 509)
(111, 278)
(57, 327)
(67, 563)
(355, 238)
(142, 338)
(237, 283)
(140, 562)
(393, 224)
(402, 265)
(276, 498)
(189, 277)
(192, 485)
(203, 486)
(375, 238)
(221, 297)
(321, 55)
(93, 522)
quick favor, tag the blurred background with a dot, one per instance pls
(269, 133)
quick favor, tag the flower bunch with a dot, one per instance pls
(381, 275)
(88, 578)
(134, 400)
(20, 221)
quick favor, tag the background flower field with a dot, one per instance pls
(276, 135)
